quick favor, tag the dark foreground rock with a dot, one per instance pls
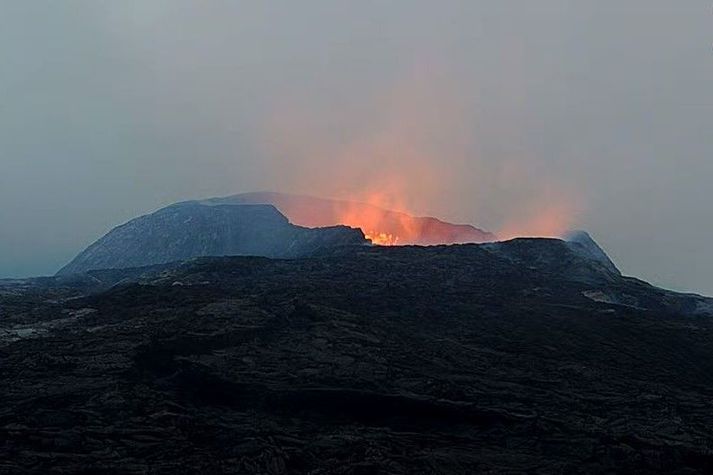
(517, 357)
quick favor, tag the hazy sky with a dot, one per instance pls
(511, 115)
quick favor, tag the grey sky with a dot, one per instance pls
(477, 111)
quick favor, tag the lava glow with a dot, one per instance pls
(410, 147)
(381, 227)
(384, 227)
(382, 239)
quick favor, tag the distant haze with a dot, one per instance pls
(519, 117)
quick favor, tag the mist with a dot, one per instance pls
(524, 118)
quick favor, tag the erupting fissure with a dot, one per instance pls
(383, 226)
(381, 239)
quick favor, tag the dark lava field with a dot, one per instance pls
(517, 357)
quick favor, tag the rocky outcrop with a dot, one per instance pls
(582, 243)
(190, 229)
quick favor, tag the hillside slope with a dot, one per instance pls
(187, 230)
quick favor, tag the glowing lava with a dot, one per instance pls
(382, 239)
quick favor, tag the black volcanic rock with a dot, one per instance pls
(450, 359)
(569, 260)
(190, 229)
(524, 356)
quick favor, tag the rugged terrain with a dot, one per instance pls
(190, 229)
(533, 355)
